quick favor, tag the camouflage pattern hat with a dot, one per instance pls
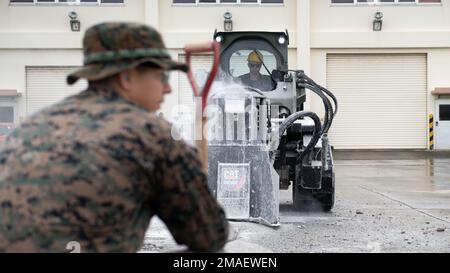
(110, 48)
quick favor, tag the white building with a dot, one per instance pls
(386, 81)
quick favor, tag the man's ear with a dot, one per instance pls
(124, 79)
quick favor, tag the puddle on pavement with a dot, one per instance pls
(425, 174)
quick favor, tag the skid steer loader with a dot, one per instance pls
(260, 138)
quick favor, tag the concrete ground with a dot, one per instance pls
(385, 202)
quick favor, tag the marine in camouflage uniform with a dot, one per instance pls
(96, 167)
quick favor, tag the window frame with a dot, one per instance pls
(7, 102)
(65, 4)
(378, 3)
(218, 3)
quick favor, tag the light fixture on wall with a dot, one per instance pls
(228, 23)
(378, 21)
(75, 24)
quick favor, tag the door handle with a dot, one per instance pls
(437, 123)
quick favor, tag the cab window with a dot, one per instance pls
(239, 64)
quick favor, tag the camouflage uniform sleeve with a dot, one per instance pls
(184, 201)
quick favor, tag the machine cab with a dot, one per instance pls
(249, 57)
(259, 60)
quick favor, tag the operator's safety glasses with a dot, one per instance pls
(254, 65)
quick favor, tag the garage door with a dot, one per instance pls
(47, 85)
(382, 100)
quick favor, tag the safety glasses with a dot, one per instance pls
(254, 65)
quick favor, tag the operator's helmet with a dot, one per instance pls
(255, 57)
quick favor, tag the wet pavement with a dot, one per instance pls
(384, 203)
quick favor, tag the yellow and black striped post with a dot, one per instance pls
(431, 132)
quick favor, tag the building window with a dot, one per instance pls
(7, 118)
(6, 114)
(382, 2)
(200, 2)
(444, 112)
(65, 2)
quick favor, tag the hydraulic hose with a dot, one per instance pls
(301, 74)
(317, 129)
(304, 81)
(327, 104)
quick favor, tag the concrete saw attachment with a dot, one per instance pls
(240, 173)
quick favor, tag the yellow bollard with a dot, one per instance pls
(431, 132)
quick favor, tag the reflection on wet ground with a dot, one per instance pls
(425, 174)
(384, 203)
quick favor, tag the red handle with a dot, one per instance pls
(202, 48)
(199, 48)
